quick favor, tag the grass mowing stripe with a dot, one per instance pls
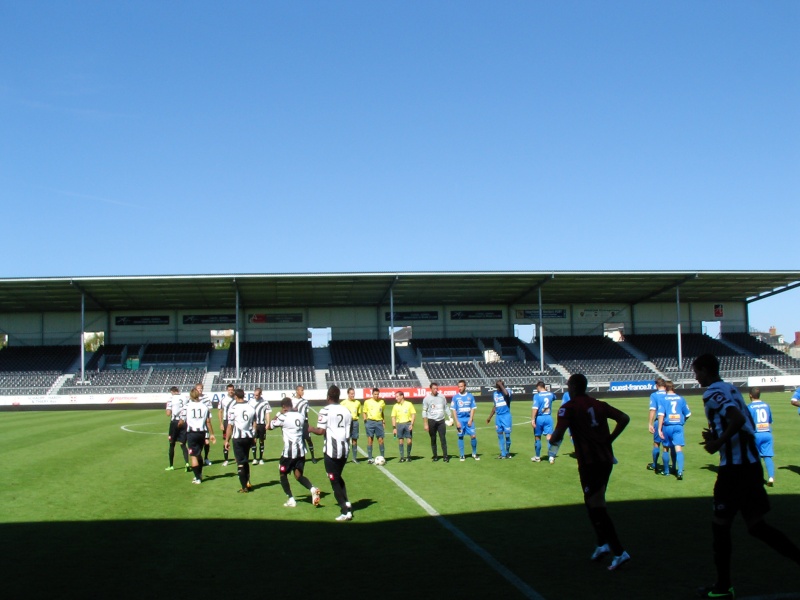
(490, 560)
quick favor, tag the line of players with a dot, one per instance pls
(669, 413)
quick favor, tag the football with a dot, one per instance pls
(380, 461)
(449, 422)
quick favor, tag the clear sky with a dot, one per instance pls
(181, 137)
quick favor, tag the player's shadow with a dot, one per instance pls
(219, 476)
(363, 504)
(710, 467)
(266, 484)
(793, 468)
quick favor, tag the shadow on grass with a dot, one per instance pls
(793, 468)
(548, 548)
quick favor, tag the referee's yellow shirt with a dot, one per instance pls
(354, 406)
(402, 412)
(373, 410)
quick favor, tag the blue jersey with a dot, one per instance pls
(502, 403)
(762, 416)
(674, 409)
(543, 402)
(564, 398)
(796, 396)
(655, 398)
(463, 405)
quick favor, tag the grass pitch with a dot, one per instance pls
(88, 511)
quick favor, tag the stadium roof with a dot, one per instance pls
(187, 292)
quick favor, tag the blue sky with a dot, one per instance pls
(209, 137)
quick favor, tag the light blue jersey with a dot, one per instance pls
(463, 405)
(502, 403)
(564, 398)
(674, 409)
(543, 402)
(762, 416)
(796, 396)
(655, 398)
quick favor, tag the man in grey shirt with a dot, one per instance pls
(434, 412)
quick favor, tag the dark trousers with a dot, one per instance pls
(434, 428)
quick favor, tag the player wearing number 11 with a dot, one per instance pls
(587, 419)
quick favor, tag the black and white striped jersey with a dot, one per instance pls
(741, 448)
(226, 404)
(175, 405)
(292, 424)
(301, 406)
(336, 420)
(195, 415)
(205, 399)
(240, 417)
(262, 408)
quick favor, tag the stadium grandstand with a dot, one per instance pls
(161, 331)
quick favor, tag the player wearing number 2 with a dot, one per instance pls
(762, 416)
(587, 419)
(334, 422)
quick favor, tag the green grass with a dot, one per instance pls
(88, 511)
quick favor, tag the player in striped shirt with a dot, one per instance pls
(293, 457)
(263, 416)
(334, 423)
(352, 404)
(740, 478)
(239, 433)
(197, 419)
(177, 433)
(222, 414)
(300, 404)
(209, 405)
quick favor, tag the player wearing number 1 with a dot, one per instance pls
(587, 419)
(334, 423)
(762, 416)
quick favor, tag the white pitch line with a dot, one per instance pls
(506, 573)
(496, 565)
(126, 428)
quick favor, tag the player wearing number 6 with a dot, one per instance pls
(334, 422)
(762, 416)
(587, 419)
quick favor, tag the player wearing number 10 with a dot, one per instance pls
(762, 416)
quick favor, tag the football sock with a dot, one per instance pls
(369, 451)
(400, 445)
(474, 442)
(354, 450)
(655, 455)
(304, 482)
(776, 540)
(673, 454)
(383, 449)
(171, 453)
(604, 528)
(409, 448)
(508, 442)
(679, 461)
(722, 547)
(501, 441)
(185, 453)
(225, 454)
(552, 450)
(665, 458)
(461, 446)
(538, 446)
(198, 472)
(205, 451)
(285, 485)
(768, 462)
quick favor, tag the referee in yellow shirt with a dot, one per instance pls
(403, 416)
(374, 422)
(352, 404)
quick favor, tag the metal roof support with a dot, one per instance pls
(236, 336)
(785, 288)
(83, 329)
(538, 286)
(391, 324)
(541, 333)
(666, 288)
(680, 348)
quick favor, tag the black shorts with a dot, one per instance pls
(177, 434)
(290, 465)
(334, 467)
(196, 440)
(594, 478)
(740, 488)
(241, 449)
(261, 432)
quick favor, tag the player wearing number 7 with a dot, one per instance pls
(587, 419)
(673, 413)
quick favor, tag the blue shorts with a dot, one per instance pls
(673, 436)
(656, 438)
(764, 445)
(544, 425)
(354, 430)
(465, 429)
(502, 423)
